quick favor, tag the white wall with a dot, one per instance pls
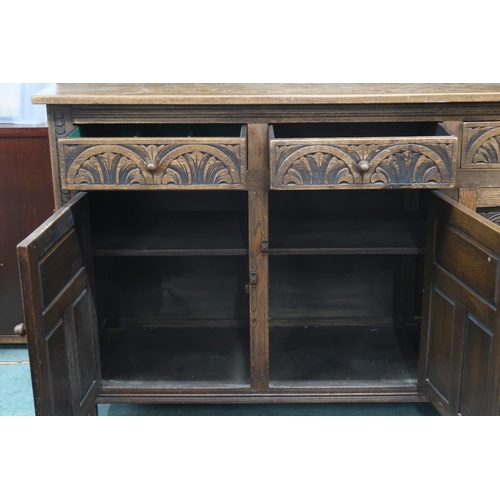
(16, 107)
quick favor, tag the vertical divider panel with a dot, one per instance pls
(258, 185)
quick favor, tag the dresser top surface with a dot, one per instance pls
(265, 93)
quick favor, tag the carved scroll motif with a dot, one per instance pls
(179, 165)
(59, 121)
(492, 216)
(336, 165)
(483, 145)
(203, 165)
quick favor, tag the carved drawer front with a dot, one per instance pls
(150, 162)
(481, 145)
(362, 155)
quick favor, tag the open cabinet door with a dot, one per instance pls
(59, 312)
(460, 348)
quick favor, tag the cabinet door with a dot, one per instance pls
(59, 313)
(460, 348)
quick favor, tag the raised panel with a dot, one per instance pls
(441, 334)
(460, 346)
(59, 383)
(84, 343)
(58, 266)
(470, 262)
(476, 368)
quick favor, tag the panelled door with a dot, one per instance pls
(60, 314)
(460, 345)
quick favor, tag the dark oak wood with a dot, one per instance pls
(276, 113)
(258, 261)
(305, 156)
(481, 145)
(488, 197)
(159, 163)
(26, 200)
(281, 395)
(159, 290)
(468, 198)
(460, 346)
(265, 93)
(344, 232)
(179, 358)
(60, 316)
(285, 285)
(341, 356)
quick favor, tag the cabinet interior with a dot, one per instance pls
(156, 130)
(170, 272)
(346, 282)
(345, 285)
(358, 129)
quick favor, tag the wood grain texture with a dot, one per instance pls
(258, 262)
(285, 113)
(488, 197)
(481, 145)
(462, 345)
(260, 93)
(477, 178)
(60, 315)
(375, 162)
(126, 395)
(166, 163)
(461, 320)
(26, 200)
(60, 124)
(468, 198)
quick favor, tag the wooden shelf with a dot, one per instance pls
(338, 233)
(155, 233)
(159, 357)
(342, 356)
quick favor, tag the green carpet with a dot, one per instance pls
(16, 398)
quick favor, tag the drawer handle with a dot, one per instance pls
(364, 166)
(151, 165)
(20, 330)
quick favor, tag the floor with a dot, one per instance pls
(16, 399)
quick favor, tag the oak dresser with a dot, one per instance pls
(255, 243)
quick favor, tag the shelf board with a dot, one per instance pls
(341, 233)
(348, 251)
(207, 252)
(157, 233)
(312, 322)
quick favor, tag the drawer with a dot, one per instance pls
(481, 145)
(362, 155)
(154, 157)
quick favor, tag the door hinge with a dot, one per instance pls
(264, 248)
